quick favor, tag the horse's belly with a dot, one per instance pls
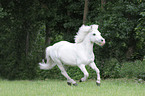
(67, 55)
(73, 61)
(68, 61)
(70, 56)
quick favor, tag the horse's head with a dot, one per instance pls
(96, 36)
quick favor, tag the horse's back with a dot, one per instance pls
(54, 50)
(63, 51)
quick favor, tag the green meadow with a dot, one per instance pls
(109, 87)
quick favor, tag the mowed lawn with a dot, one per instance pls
(109, 87)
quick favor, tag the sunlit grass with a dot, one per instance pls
(110, 87)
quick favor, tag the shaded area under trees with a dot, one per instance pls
(27, 27)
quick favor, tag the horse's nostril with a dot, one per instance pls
(102, 40)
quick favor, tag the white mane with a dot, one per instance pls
(83, 31)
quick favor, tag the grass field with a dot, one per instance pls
(110, 87)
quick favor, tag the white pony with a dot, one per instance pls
(78, 54)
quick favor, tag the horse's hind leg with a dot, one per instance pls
(50, 63)
(63, 72)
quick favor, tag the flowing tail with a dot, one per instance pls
(43, 65)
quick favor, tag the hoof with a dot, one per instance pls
(69, 83)
(98, 84)
(81, 81)
(75, 84)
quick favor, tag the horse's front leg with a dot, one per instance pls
(94, 67)
(86, 74)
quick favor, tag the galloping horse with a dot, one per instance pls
(78, 54)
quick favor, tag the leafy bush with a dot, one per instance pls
(122, 26)
(132, 69)
(111, 68)
(74, 72)
(141, 76)
(2, 14)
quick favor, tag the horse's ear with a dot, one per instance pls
(97, 26)
(94, 26)
(84, 28)
(82, 25)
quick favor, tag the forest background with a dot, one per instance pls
(27, 27)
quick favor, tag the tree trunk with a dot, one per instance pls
(47, 37)
(26, 29)
(85, 11)
(129, 53)
(103, 2)
(27, 43)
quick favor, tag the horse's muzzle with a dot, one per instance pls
(103, 42)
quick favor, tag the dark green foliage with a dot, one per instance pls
(133, 69)
(19, 30)
(118, 22)
(141, 76)
(140, 37)
(23, 31)
(74, 72)
(54, 73)
(111, 68)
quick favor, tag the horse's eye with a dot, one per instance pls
(94, 34)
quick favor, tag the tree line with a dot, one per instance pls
(27, 27)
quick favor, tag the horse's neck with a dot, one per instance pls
(87, 45)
